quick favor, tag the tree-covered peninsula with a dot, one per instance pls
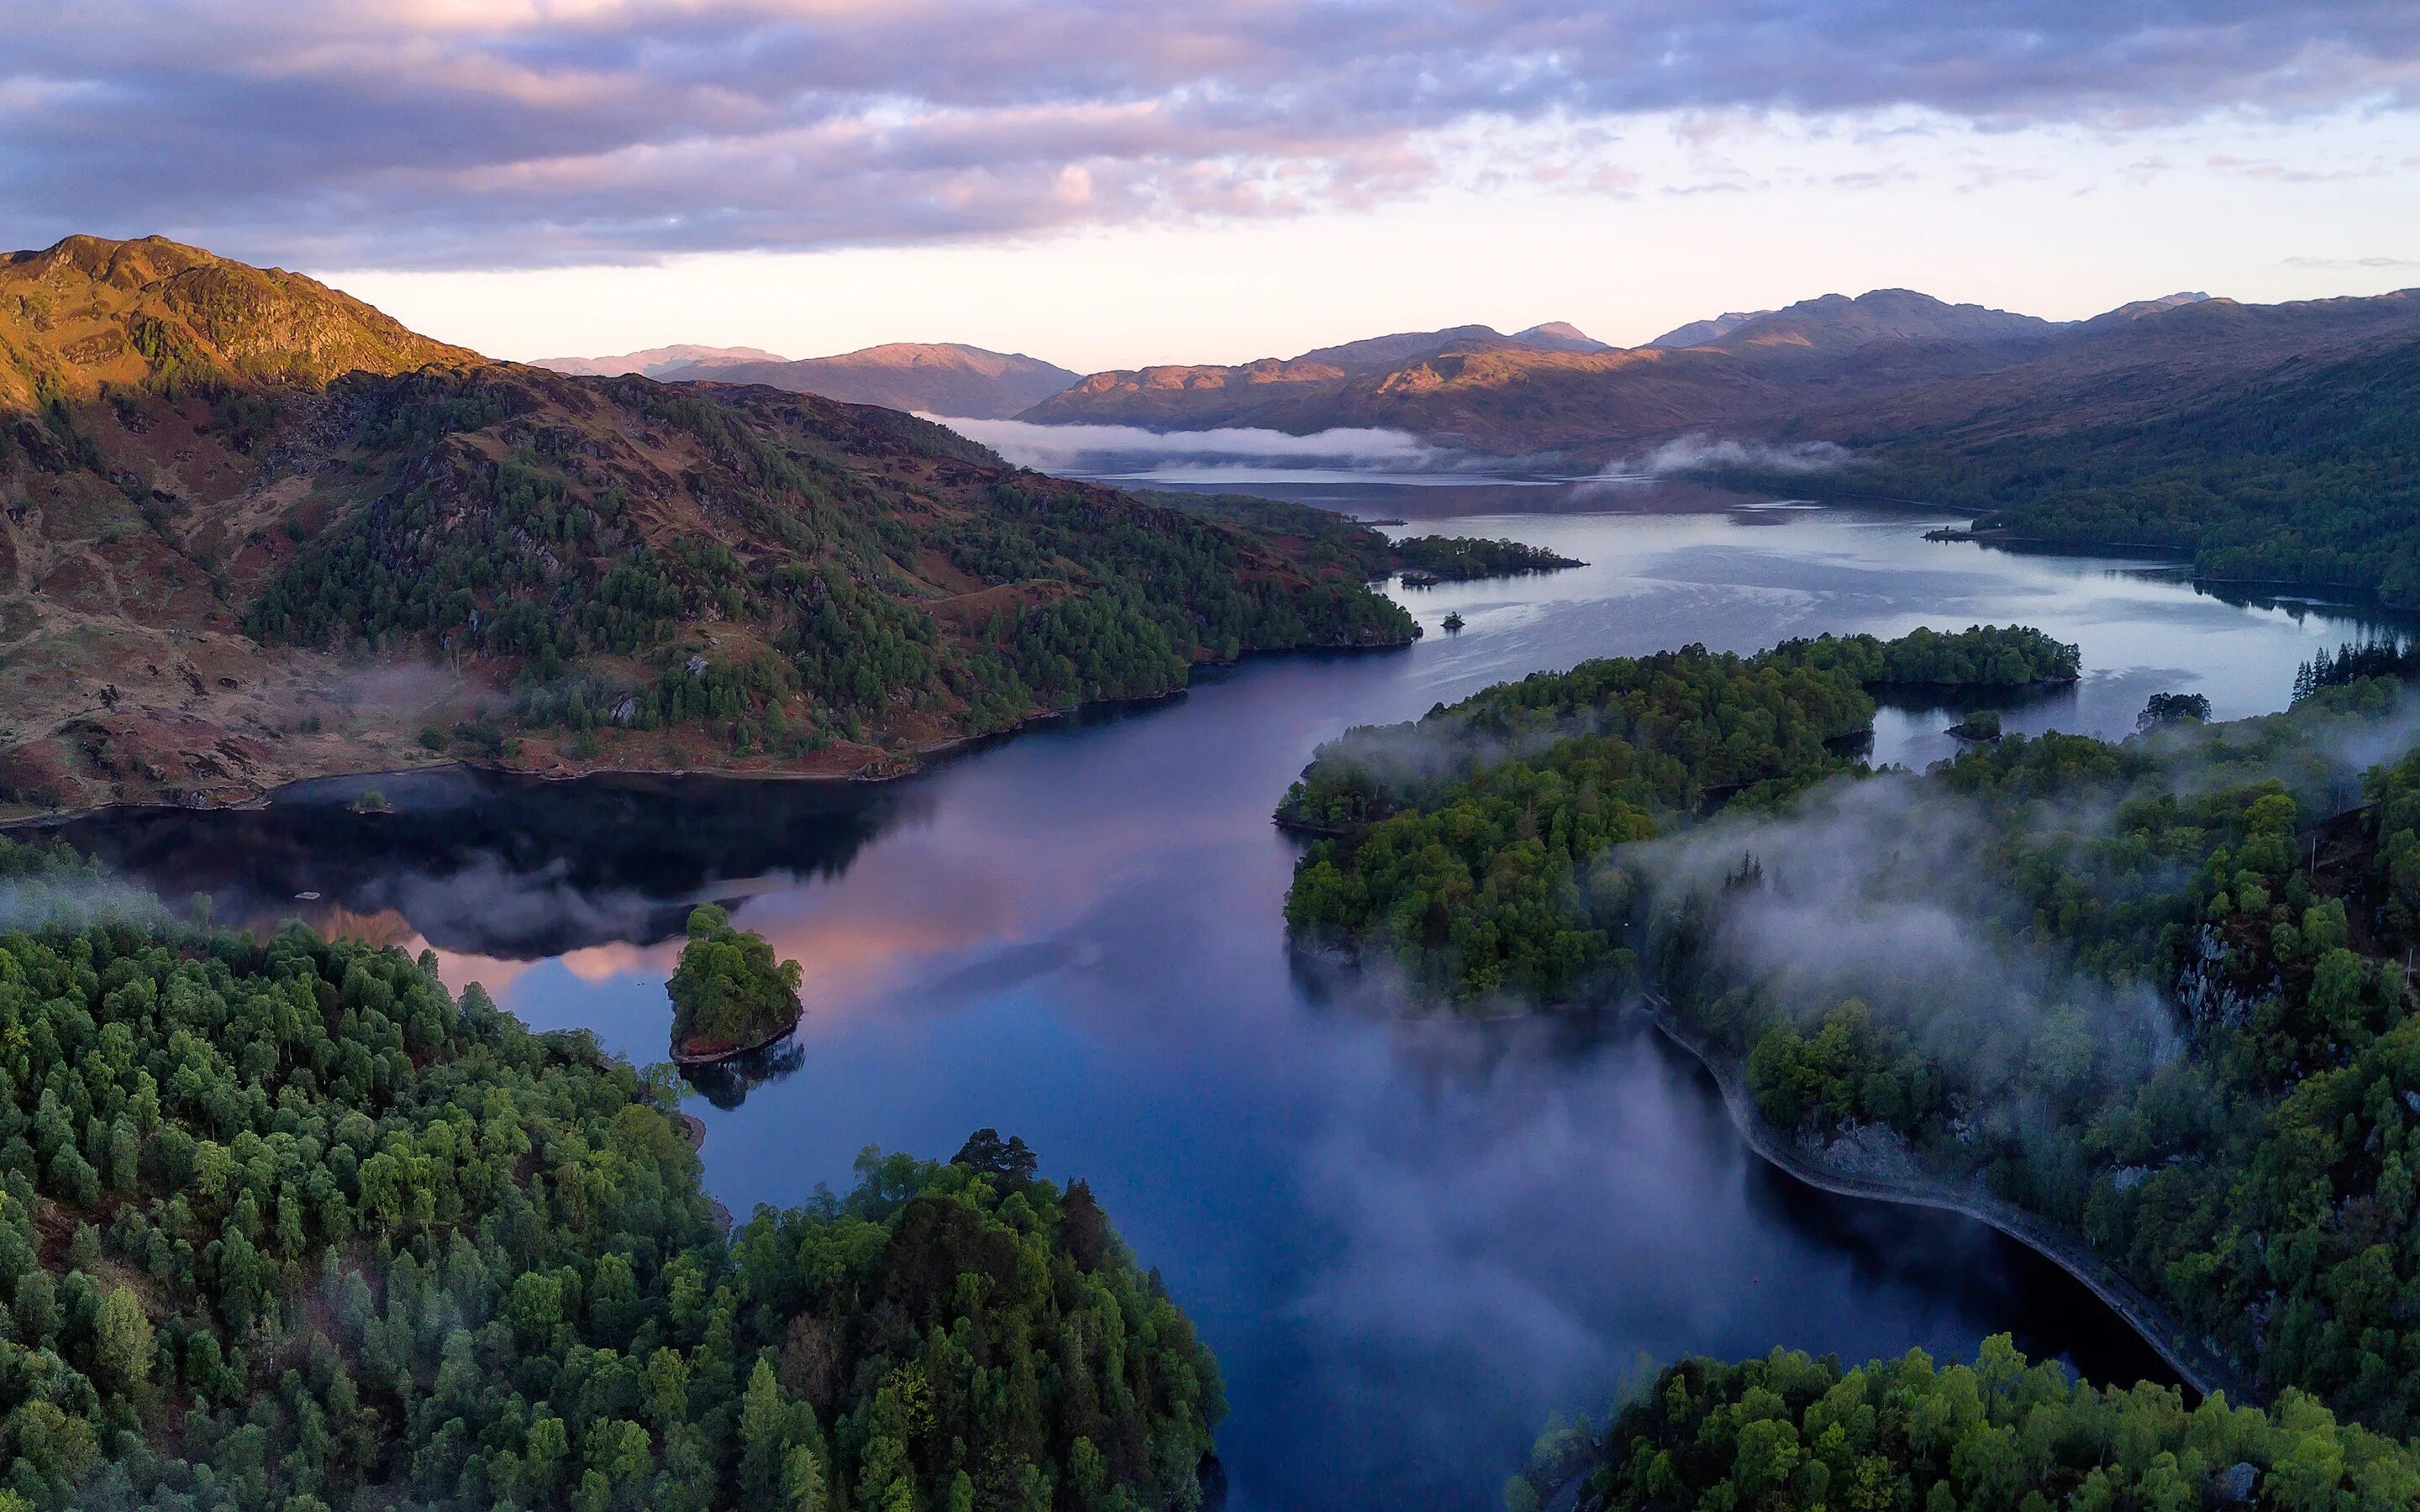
(283, 1225)
(1907, 1435)
(729, 994)
(2147, 1001)
(1461, 844)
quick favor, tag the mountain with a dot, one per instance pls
(1856, 371)
(1699, 331)
(1560, 336)
(88, 316)
(255, 531)
(944, 378)
(655, 362)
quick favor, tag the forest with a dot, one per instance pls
(728, 993)
(1907, 1435)
(282, 1224)
(2306, 476)
(2154, 992)
(846, 571)
(1434, 558)
(1460, 846)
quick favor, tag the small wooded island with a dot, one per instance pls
(729, 996)
(1429, 560)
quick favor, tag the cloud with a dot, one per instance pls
(396, 134)
(1105, 448)
(2353, 262)
(1694, 454)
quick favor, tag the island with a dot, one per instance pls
(1429, 560)
(729, 995)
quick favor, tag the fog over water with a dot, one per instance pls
(1407, 1240)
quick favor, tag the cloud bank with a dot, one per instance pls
(1697, 453)
(401, 134)
(1106, 448)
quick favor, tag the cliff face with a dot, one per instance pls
(255, 531)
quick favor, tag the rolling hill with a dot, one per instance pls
(255, 531)
(655, 362)
(944, 378)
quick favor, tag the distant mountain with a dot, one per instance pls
(1699, 332)
(1562, 336)
(1838, 368)
(254, 531)
(939, 378)
(655, 362)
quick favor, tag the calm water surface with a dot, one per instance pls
(1408, 1240)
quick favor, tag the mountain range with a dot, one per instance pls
(1854, 371)
(256, 530)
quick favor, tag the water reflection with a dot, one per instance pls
(1407, 1240)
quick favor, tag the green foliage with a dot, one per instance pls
(2254, 1171)
(2309, 476)
(568, 571)
(728, 990)
(1455, 558)
(1788, 1432)
(283, 1225)
(1463, 845)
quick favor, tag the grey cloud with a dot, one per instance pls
(400, 133)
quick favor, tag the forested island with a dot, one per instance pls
(282, 1224)
(2153, 995)
(1426, 560)
(729, 995)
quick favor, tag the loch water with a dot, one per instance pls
(1408, 1240)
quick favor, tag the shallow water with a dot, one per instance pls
(1408, 1242)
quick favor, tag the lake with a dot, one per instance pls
(1408, 1240)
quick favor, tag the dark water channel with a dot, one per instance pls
(1407, 1240)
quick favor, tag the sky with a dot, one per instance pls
(1109, 183)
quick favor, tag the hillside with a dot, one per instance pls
(945, 380)
(655, 362)
(255, 531)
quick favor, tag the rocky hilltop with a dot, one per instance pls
(257, 531)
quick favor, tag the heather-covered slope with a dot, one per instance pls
(243, 547)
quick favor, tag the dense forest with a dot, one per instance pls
(284, 1225)
(2185, 1036)
(1907, 1435)
(2308, 476)
(1323, 537)
(836, 577)
(1460, 845)
(2154, 992)
(728, 993)
(1435, 559)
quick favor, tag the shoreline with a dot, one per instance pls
(2198, 1367)
(683, 1055)
(912, 763)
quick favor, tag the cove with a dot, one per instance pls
(1407, 1239)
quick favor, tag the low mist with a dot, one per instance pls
(1132, 448)
(1700, 452)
